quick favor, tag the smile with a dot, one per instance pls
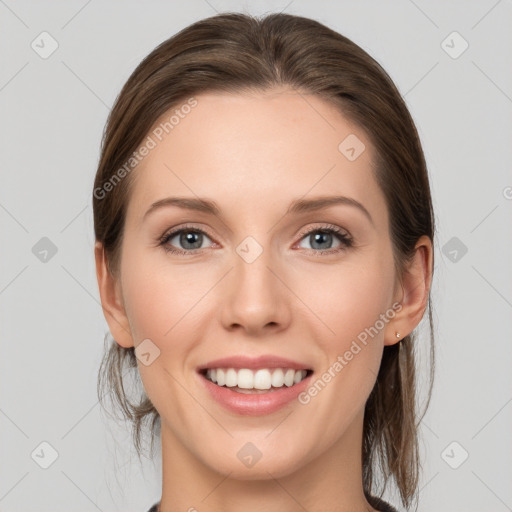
(250, 400)
(245, 380)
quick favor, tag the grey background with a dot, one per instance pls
(52, 116)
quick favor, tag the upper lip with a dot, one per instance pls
(264, 361)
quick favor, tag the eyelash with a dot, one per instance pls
(345, 239)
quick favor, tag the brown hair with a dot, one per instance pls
(235, 52)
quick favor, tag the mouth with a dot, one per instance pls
(255, 381)
(255, 386)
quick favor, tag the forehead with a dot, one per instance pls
(246, 150)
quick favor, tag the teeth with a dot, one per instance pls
(258, 379)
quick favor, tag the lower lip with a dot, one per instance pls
(257, 404)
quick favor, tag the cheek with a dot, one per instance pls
(350, 304)
(160, 297)
(348, 299)
(163, 303)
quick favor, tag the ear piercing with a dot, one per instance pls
(398, 335)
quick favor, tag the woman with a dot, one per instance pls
(281, 372)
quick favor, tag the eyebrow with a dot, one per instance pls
(298, 206)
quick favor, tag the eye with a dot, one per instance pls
(321, 239)
(191, 239)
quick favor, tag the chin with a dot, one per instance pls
(249, 463)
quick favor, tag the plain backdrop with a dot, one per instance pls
(451, 61)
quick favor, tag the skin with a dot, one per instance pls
(253, 154)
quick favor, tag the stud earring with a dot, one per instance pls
(398, 335)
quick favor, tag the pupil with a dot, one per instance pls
(189, 238)
(319, 238)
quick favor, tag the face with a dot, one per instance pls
(257, 278)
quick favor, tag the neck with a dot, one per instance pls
(332, 481)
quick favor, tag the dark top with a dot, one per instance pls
(375, 502)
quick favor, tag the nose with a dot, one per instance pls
(256, 297)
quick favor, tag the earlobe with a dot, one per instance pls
(416, 282)
(111, 300)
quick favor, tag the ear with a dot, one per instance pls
(111, 300)
(413, 293)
